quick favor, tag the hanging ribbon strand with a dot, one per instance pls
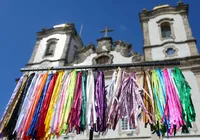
(188, 111)
(46, 105)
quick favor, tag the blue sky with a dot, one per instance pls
(21, 19)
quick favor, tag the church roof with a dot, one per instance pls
(160, 6)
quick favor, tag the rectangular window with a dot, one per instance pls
(166, 30)
(125, 126)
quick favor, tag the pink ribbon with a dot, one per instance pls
(173, 107)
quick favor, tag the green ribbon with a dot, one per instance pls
(84, 100)
(159, 103)
(184, 90)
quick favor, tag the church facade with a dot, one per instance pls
(167, 37)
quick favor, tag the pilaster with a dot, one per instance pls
(146, 33)
(187, 26)
(148, 54)
(34, 52)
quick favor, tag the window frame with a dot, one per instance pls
(170, 22)
(165, 27)
(128, 132)
(49, 42)
(170, 47)
(110, 58)
(128, 126)
(103, 60)
(170, 51)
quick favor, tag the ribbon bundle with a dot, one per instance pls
(50, 104)
(172, 102)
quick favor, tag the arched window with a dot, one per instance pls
(103, 60)
(166, 30)
(50, 48)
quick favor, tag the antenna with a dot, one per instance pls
(81, 30)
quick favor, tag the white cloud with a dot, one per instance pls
(122, 27)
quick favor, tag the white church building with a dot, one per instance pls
(167, 36)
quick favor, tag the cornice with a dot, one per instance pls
(170, 42)
(105, 38)
(187, 61)
(46, 60)
(146, 15)
(165, 19)
(58, 30)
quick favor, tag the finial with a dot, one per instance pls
(44, 29)
(66, 25)
(180, 3)
(144, 10)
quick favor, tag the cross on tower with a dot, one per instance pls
(106, 31)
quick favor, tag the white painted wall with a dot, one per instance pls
(186, 138)
(118, 59)
(88, 60)
(58, 50)
(46, 64)
(183, 51)
(179, 30)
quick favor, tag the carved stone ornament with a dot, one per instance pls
(124, 48)
(136, 58)
(83, 53)
(104, 45)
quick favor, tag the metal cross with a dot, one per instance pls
(106, 31)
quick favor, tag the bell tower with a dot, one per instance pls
(167, 33)
(56, 46)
